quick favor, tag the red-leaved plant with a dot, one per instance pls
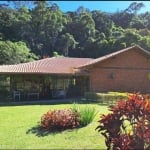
(128, 125)
(58, 120)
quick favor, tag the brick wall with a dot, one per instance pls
(127, 72)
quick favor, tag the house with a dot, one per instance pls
(46, 77)
(126, 70)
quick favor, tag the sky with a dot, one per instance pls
(105, 6)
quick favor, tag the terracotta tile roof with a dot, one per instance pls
(54, 65)
(114, 54)
(60, 65)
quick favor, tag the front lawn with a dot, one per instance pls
(17, 130)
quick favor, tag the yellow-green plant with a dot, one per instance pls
(87, 114)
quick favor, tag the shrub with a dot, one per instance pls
(128, 124)
(87, 114)
(105, 97)
(57, 120)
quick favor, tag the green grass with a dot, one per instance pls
(16, 121)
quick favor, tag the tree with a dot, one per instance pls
(145, 42)
(122, 19)
(138, 23)
(15, 23)
(125, 17)
(144, 32)
(129, 37)
(7, 19)
(134, 7)
(67, 41)
(80, 33)
(15, 52)
(117, 32)
(146, 19)
(103, 23)
(19, 4)
(47, 22)
(21, 27)
(82, 10)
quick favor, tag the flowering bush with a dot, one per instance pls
(128, 124)
(60, 120)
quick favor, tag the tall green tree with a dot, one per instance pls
(82, 27)
(122, 18)
(125, 17)
(47, 23)
(81, 33)
(67, 41)
(103, 23)
(21, 26)
(145, 19)
(134, 7)
(7, 19)
(15, 52)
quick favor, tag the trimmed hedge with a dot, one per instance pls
(110, 97)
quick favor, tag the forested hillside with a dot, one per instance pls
(44, 30)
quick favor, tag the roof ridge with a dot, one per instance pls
(113, 54)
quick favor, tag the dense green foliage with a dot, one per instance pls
(105, 97)
(15, 52)
(46, 29)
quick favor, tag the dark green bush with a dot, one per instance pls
(105, 97)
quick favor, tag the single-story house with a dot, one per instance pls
(126, 70)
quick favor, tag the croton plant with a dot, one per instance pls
(128, 125)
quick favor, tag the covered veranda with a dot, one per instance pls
(49, 78)
(29, 87)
